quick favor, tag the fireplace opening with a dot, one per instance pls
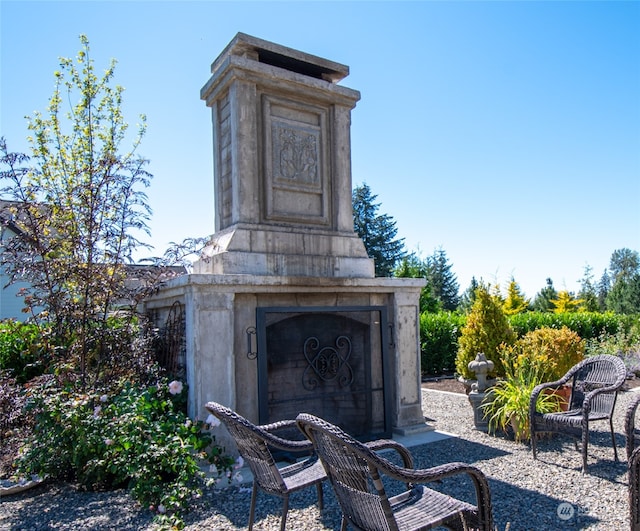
(327, 361)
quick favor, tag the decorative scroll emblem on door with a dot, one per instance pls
(327, 363)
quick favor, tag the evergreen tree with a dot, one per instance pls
(624, 263)
(515, 301)
(565, 302)
(486, 330)
(378, 231)
(442, 280)
(603, 289)
(441, 290)
(542, 301)
(624, 296)
(412, 266)
(588, 292)
(469, 296)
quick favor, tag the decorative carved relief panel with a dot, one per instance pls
(296, 185)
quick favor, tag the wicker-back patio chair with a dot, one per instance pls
(254, 445)
(356, 471)
(631, 433)
(634, 490)
(595, 383)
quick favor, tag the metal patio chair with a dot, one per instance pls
(356, 471)
(595, 383)
(254, 445)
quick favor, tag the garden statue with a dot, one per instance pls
(481, 366)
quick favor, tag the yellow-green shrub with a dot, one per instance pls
(486, 329)
(557, 350)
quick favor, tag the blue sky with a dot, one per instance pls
(505, 133)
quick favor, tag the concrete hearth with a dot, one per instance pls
(284, 238)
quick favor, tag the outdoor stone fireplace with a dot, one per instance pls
(283, 313)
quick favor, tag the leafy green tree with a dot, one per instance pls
(624, 296)
(624, 263)
(378, 231)
(515, 301)
(78, 200)
(542, 300)
(588, 292)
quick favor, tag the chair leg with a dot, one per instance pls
(613, 440)
(252, 510)
(320, 496)
(343, 523)
(533, 443)
(585, 446)
(285, 510)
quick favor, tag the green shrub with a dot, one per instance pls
(485, 330)
(588, 325)
(439, 333)
(138, 438)
(554, 350)
(24, 350)
(625, 343)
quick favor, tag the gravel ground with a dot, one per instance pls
(526, 494)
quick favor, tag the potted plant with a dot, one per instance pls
(506, 405)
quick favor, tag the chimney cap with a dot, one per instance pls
(273, 54)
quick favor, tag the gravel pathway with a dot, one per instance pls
(526, 494)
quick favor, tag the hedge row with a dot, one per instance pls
(439, 332)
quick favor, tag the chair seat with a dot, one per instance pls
(423, 508)
(301, 474)
(573, 417)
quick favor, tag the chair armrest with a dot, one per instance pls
(389, 444)
(533, 400)
(281, 443)
(631, 412)
(281, 424)
(630, 423)
(479, 480)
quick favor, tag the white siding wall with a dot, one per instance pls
(10, 305)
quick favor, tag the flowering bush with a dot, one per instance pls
(139, 438)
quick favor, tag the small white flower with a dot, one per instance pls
(188, 423)
(104, 398)
(239, 463)
(96, 411)
(162, 509)
(175, 387)
(212, 421)
(237, 477)
(108, 442)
